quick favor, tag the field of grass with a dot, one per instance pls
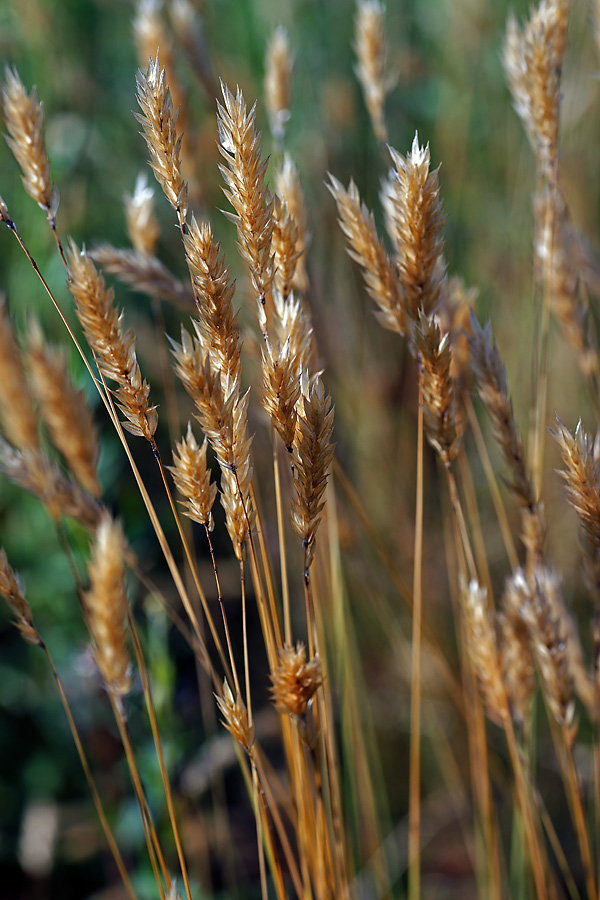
(339, 636)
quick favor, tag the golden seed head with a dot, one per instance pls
(295, 681)
(107, 606)
(278, 73)
(142, 224)
(11, 588)
(235, 717)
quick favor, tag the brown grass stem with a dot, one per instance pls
(285, 590)
(90, 780)
(414, 802)
(141, 665)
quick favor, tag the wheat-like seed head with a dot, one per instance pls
(482, 647)
(24, 118)
(224, 421)
(192, 477)
(533, 56)
(289, 189)
(114, 347)
(286, 248)
(279, 61)
(107, 606)
(64, 409)
(369, 46)
(142, 225)
(146, 274)
(16, 408)
(415, 220)
(518, 668)
(542, 610)
(295, 680)
(216, 327)
(368, 251)
(281, 390)
(312, 454)
(435, 355)
(244, 174)
(11, 588)
(159, 124)
(235, 717)
(32, 470)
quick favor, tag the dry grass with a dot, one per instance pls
(283, 658)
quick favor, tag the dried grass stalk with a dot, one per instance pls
(295, 681)
(107, 606)
(368, 251)
(113, 346)
(146, 274)
(312, 455)
(414, 220)
(16, 408)
(13, 591)
(24, 118)
(244, 174)
(64, 409)
(279, 61)
(159, 124)
(192, 478)
(369, 45)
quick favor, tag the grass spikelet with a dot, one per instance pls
(192, 478)
(368, 251)
(369, 46)
(286, 247)
(13, 591)
(289, 190)
(415, 220)
(24, 118)
(312, 455)
(281, 390)
(64, 409)
(216, 326)
(518, 669)
(16, 408)
(106, 605)
(159, 124)
(142, 225)
(435, 356)
(279, 62)
(482, 648)
(244, 174)
(235, 717)
(114, 347)
(295, 680)
(533, 56)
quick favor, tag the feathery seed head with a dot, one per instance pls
(11, 588)
(16, 407)
(107, 606)
(435, 353)
(289, 189)
(369, 45)
(24, 118)
(159, 124)
(295, 681)
(192, 477)
(480, 633)
(235, 717)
